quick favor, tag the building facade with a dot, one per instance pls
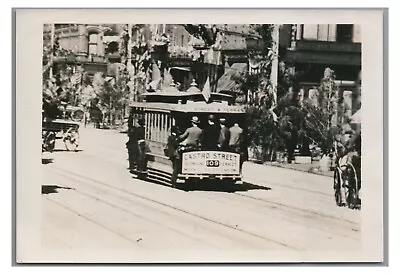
(310, 49)
(92, 47)
(200, 52)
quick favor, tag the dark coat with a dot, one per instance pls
(140, 132)
(172, 147)
(210, 137)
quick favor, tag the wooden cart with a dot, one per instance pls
(60, 129)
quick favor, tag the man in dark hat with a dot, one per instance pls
(192, 136)
(224, 135)
(210, 134)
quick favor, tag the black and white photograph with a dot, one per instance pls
(203, 142)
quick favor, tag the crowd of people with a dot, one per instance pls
(213, 136)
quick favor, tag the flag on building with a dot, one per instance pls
(168, 79)
(207, 90)
(156, 84)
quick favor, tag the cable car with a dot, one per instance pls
(163, 110)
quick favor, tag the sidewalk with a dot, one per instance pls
(309, 168)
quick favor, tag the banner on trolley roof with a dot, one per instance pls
(210, 162)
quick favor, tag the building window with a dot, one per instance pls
(60, 26)
(93, 38)
(344, 33)
(310, 32)
(321, 32)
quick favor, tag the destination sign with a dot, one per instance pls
(210, 162)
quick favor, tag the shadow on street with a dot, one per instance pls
(223, 187)
(65, 150)
(46, 161)
(213, 186)
(49, 189)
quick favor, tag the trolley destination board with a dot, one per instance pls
(210, 162)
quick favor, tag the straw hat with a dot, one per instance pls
(195, 120)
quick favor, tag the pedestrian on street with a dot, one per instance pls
(224, 136)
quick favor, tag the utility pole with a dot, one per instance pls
(52, 34)
(274, 78)
(275, 63)
(129, 49)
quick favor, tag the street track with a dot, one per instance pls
(259, 199)
(85, 180)
(330, 224)
(87, 218)
(296, 213)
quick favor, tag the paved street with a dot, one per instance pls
(90, 201)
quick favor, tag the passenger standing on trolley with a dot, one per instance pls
(141, 145)
(210, 134)
(236, 142)
(236, 138)
(131, 145)
(224, 136)
(173, 153)
(192, 136)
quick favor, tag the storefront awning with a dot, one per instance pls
(226, 83)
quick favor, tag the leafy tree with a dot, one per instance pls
(294, 122)
(258, 84)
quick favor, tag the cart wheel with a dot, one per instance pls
(49, 141)
(77, 115)
(336, 187)
(71, 139)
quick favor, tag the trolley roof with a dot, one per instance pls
(190, 107)
(183, 97)
(188, 102)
